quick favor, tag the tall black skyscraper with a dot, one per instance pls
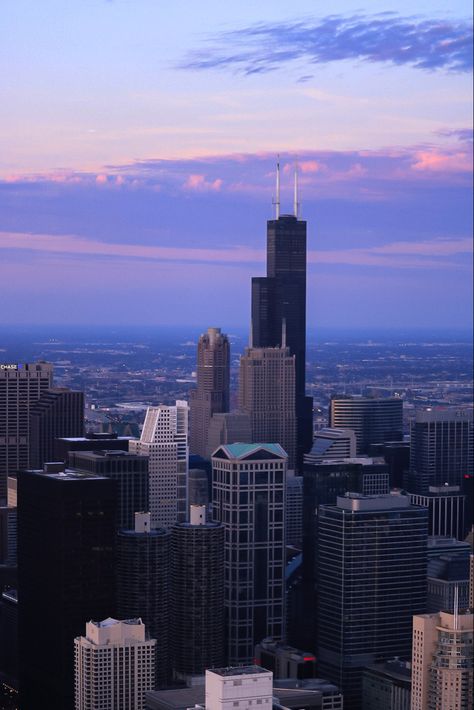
(66, 531)
(279, 306)
(59, 412)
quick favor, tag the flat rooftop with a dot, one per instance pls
(238, 670)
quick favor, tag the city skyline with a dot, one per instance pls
(110, 185)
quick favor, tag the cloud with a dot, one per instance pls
(427, 44)
(199, 182)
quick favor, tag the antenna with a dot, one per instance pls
(251, 334)
(283, 333)
(296, 204)
(277, 199)
(456, 607)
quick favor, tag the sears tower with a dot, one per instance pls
(279, 305)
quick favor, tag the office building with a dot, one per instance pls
(446, 506)
(249, 482)
(373, 419)
(332, 444)
(164, 439)
(294, 510)
(267, 395)
(92, 441)
(114, 665)
(397, 457)
(197, 595)
(279, 305)
(199, 485)
(9, 638)
(442, 672)
(130, 473)
(8, 535)
(59, 412)
(387, 685)
(227, 429)
(442, 448)
(66, 540)
(245, 685)
(285, 661)
(439, 545)
(448, 579)
(143, 585)
(371, 581)
(21, 386)
(212, 392)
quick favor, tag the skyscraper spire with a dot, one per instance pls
(296, 204)
(277, 199)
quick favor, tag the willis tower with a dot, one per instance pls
(279, 305)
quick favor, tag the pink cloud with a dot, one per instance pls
(443, 162)
(310, 166)
(197, 181)
(101, 179)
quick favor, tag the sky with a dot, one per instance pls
(138, 143)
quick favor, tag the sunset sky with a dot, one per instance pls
(138, 141)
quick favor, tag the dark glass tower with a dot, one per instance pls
(279, 309)
(59, 412)
(66, 531)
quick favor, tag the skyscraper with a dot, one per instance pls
(442, 448)
(442, 670)
(197, 595)
(332, 444)
(267, 396)
(373, 419)
(249, 482)
(212, 392)
(371, 581)
(59, 412)
(114, 665)
(130, 473)
(66, 539)
(164, 440)
(143, 584)
(20, 387)
(279, 303)
(228, 428)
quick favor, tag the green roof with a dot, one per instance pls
(240, 450)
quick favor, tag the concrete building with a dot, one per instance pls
(59, 412)
(21, 386)
(442, 670)
(227, 428)
(371, 581)
(387, 686)
(164, 439)
(442, 448)
(143, 585)
(294, 510)
(197, 595)
(114, 665)
(238, 687)
(267, 395)
(446, 506)
(249, 482)
(130, 473)
(332, 444)
(212, 392)
(372, 419)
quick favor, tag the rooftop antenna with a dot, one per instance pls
(251, 334)
(283, 333)
(456, 607)
(277, 199)
(296, 204)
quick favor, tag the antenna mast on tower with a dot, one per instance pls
(277, 200)
(296, 204)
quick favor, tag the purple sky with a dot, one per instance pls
(136, 180)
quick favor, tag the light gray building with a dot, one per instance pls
(332, 444)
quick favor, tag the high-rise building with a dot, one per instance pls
(285, 661)
(373, 419)
(197, 595)
(442, 671)
(92, 441)
(249, 482)
(442, 448)
(294, 510)
(371, 581)
(332, 444)
(20, 388)
(199, 484)
(279, 304)
(130, 473)
(448, 580)
(212, 392)
(66, 540)
(446, 506)
(8, 535)
(114, 665)
(59, 412)
(387, 685)
(143, 584)
(267, 395)
(164, 439)
(227, 429)
(246, 685)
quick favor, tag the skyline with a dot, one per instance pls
(139, 186)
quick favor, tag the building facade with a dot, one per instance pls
(387, 686)
(373, 419)
(21, 386)
(114, 665)
(332, 444)
(59, 412)
(371, 581)
(249, 482)
(446, 506)
(267, 396)
(228, 428)
(164, 439)
(212, 392)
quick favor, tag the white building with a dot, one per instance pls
(114, 665)
(332, 444)
(164, 440)
(442, 669)
(239, 688)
